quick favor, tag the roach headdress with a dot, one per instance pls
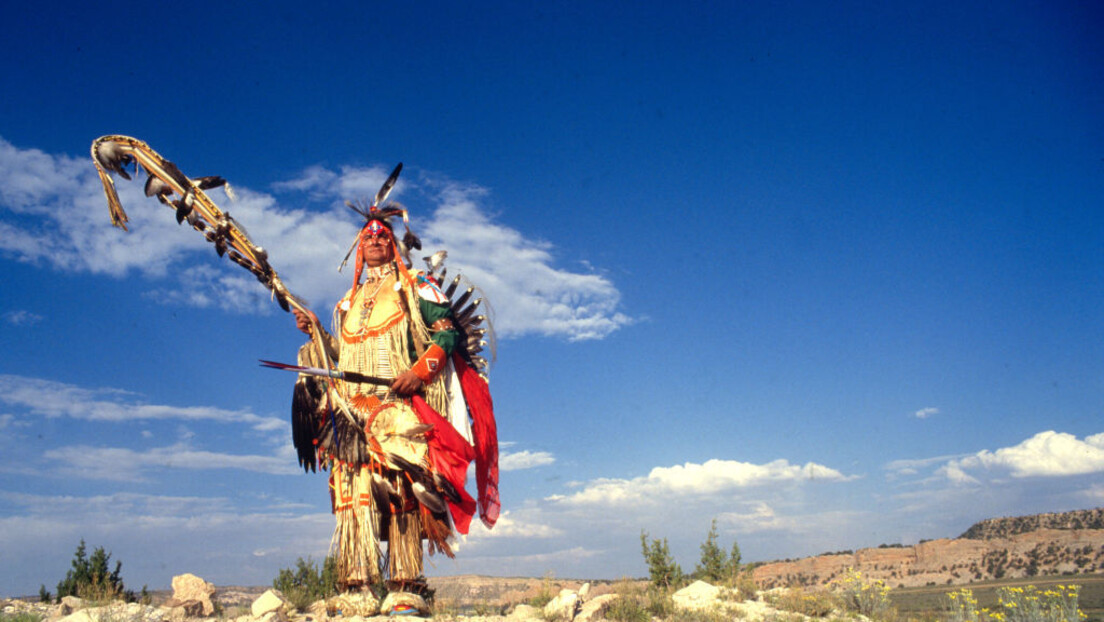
(378, 222)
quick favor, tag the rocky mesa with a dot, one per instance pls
(1041, 544)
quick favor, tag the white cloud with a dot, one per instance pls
(212, 536)
(519, 271)
(696, 481)
(519, 460)
(510, 526)
(924, 413)
(1047, 454)
(21, 318)
(121, 464)
(48, 398)
(54, 213)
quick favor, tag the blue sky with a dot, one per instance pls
(829, 274)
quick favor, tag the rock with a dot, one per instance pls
(697, 596)
(563, 606)
(317, 611)
(524, 612)
(268, 602)
(83, 615)
(273, 616)
(595, 609)
(69, 604)
(181, 609)
(192, 595)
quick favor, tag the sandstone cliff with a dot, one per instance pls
(1007, 547)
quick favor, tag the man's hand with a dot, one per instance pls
(407, 384)
(302, 321)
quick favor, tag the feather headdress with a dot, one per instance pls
(378, 221)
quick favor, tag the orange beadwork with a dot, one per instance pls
(430, 364)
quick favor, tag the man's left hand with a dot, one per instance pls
(407, 384)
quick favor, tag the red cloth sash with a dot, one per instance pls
(478, 396)
(450, 454)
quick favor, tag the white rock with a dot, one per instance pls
(563, 606)
(271, 600)
(84, 615)
(524, 612)
(69, 604)
(277, 615)
(596, 608)
(698, 596)
(584, 591)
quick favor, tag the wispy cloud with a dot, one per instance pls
(215, 533)
(52, 212)
(20, 317)
(924, 413)
(48, 398)
(122, 464)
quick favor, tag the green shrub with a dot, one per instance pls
(1028, 604)
(22, 616)
(961, 606)
(868, 598)
(630, 604)
(1018, 604)
(545, 595)
(307, 583)
(815, 604)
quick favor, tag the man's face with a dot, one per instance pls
(377, 249)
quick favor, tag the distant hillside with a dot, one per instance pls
(1007, 527)
(1026, 546)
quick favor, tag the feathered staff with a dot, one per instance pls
(114, 153)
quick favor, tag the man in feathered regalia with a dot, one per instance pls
(399, 451)
(393, 403)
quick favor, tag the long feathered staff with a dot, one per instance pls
(115, 154)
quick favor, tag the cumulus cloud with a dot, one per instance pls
(1047, 454)
(924, 413)
(53, 213)
(509, 525)
(696, 480)
(526, 459)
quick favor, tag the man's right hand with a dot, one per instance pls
(302, 321)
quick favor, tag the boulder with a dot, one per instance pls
(82, 615)
(563, 606)
(268, 602)
(192, 597)
(595, 609)
(69, 604)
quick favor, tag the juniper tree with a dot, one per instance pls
(713, 562)
(733, 564)
(89, 578)
(662, 568)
